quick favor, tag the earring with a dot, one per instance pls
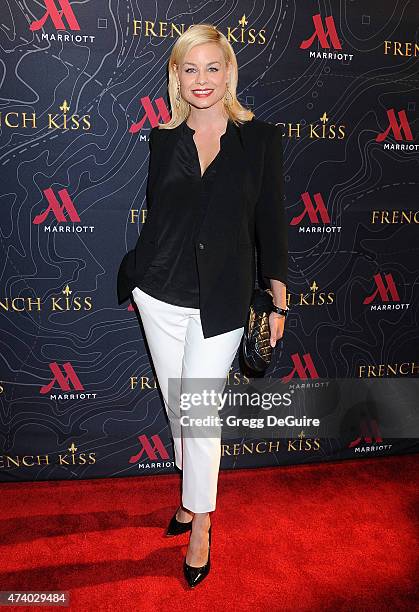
(228, 98)
(178, 96)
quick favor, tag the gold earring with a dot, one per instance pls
(228, 98)
(178, 96)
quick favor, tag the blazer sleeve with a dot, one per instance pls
(127, 266)
(270, 218)
(152, 166)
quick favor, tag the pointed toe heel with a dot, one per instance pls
(175, 527)
(195, 575)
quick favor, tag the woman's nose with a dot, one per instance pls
(201, 78)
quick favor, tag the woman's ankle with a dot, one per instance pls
(201, 520)
(184, 513)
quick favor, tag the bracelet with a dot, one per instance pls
(280, 311)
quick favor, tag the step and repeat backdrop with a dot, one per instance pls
(82, 84)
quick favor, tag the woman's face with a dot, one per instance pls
(203, 75)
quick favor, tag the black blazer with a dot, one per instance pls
(245, 209)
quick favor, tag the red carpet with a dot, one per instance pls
(332, 536)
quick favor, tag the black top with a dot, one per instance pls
(173, 275)
(245, 210)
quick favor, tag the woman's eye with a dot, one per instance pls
(213, 68)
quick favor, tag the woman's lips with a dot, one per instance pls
(204, 93)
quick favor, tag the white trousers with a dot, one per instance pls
(180, 351)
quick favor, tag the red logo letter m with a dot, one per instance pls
(386, 293)
(56, 208)
(305, 371)
(323, 35)
(151, 451)
(394, 127)
(57, 16)
(63, 379)
(313, 210)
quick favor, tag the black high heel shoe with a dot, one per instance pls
(195, 575)
(176, 527)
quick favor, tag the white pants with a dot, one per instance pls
(180, 351)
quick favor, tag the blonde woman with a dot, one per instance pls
(214, 191)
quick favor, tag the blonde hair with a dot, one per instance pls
(197, 35)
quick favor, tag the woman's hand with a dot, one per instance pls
(276, 327)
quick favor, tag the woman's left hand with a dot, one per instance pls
(276, 326)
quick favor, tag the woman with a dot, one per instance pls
(214, 184)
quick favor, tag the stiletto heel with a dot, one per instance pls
(195, 575)
(176, 527)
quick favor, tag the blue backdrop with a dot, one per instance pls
(82, 84)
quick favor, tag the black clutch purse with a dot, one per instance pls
(256, 349)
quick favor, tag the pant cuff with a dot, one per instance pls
(195, 509)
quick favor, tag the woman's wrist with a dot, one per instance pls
(279, 310)
(278, 293)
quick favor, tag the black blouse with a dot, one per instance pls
(173, 275)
